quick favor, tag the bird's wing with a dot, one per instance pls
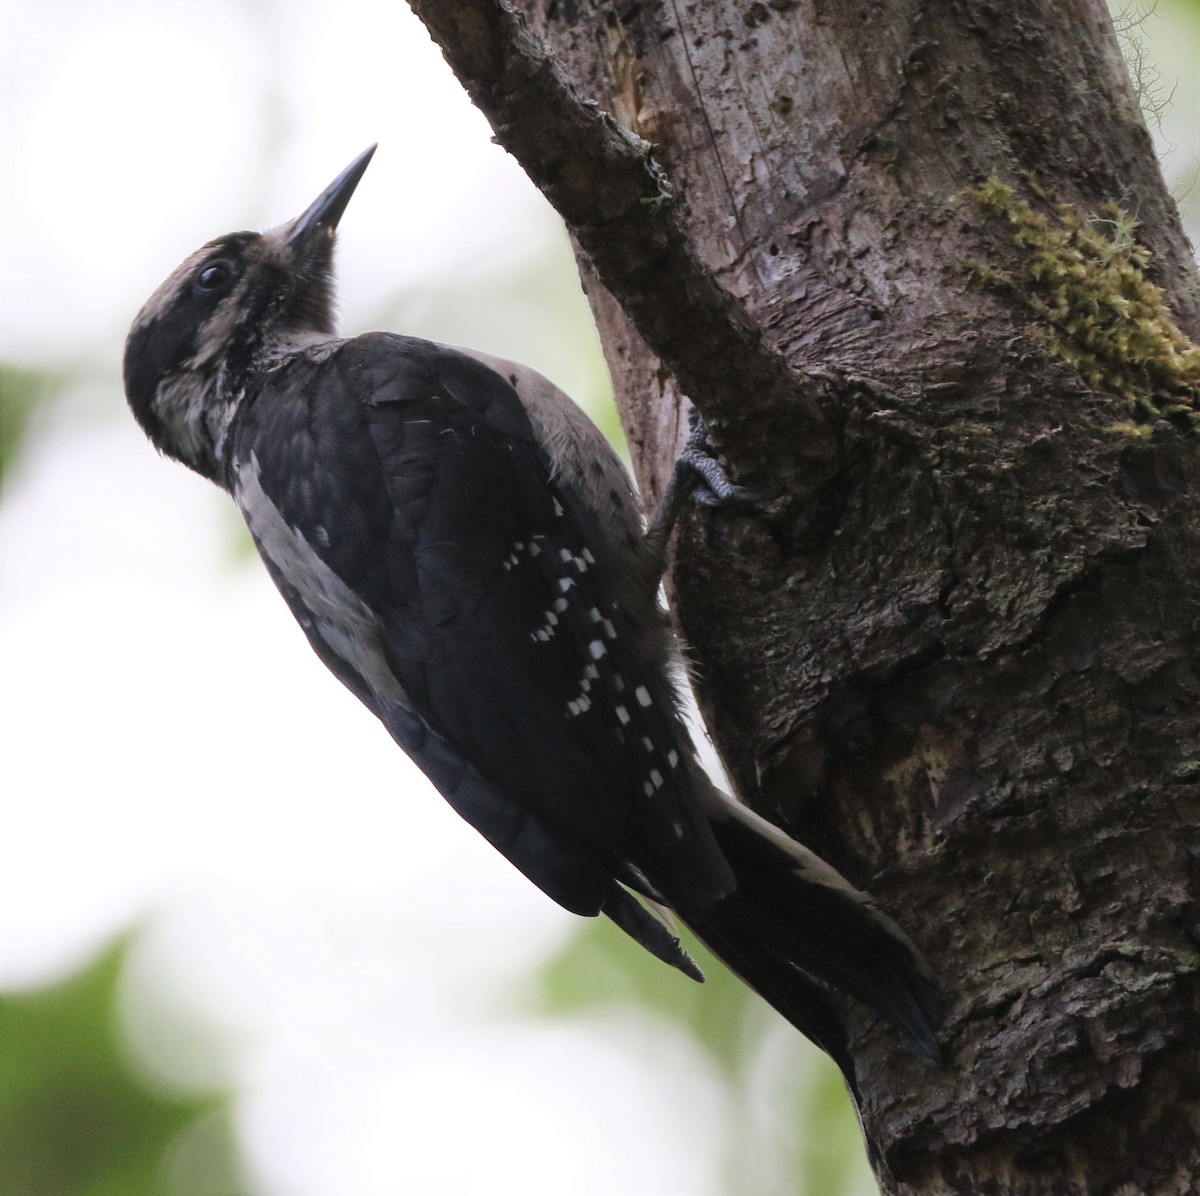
(470, 612)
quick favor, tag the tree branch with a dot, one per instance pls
(619, 205)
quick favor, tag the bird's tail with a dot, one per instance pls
(794, 924)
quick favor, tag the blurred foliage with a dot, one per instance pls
(21, 390)
(76, 1119)
(790, 1125)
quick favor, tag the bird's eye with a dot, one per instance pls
(214, 277)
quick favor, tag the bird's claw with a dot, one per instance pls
(711, 486)
(697, 475)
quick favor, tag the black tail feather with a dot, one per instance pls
(793, 920)
(641, 925)
(802, 1001)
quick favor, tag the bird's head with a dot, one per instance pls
(231, 307)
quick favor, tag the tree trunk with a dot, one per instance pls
(890, 250)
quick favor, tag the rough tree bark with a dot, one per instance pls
(906, 258)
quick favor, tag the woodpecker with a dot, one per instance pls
(466, 553)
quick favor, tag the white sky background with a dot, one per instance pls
(172, 748)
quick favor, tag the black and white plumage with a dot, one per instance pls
(465, 552)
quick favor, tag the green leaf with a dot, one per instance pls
(20, 392)
(76, 1120)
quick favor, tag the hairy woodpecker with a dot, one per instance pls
(465, 552)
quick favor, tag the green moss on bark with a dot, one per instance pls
(1084, 279)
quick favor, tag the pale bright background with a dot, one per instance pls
(174, 755)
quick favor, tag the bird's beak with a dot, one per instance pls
(323, 214)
